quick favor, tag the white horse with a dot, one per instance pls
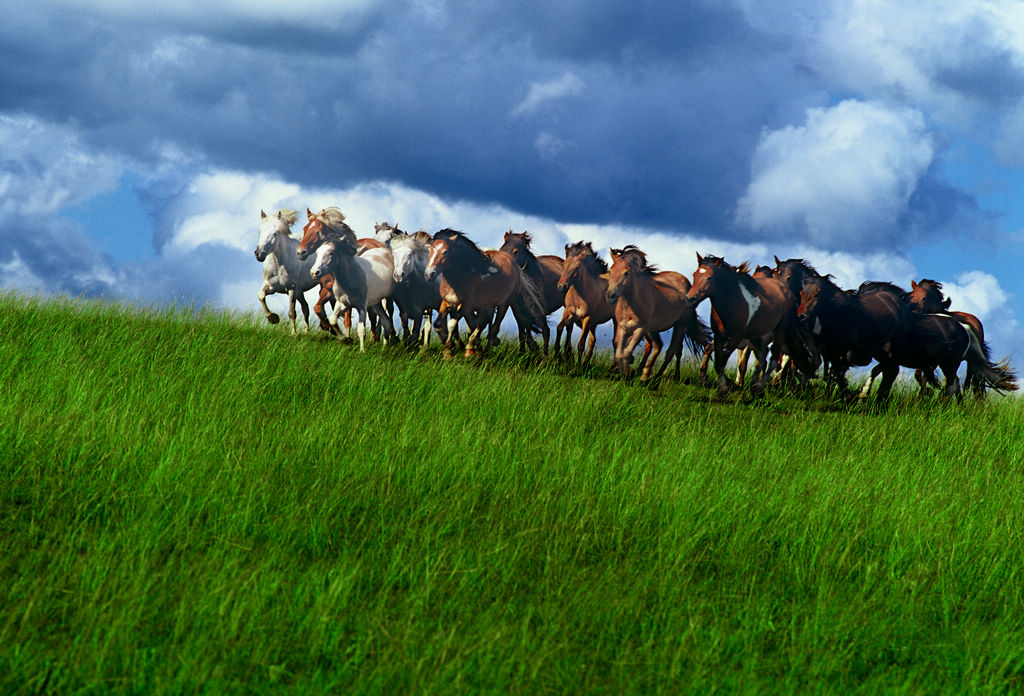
(282, 270)
(361, 282)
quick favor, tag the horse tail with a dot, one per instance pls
(530, 297)
(698, 335)
(999, 376)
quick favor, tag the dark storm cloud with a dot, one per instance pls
(668, 104)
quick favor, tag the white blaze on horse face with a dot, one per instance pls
(323, 257)
(752, 303)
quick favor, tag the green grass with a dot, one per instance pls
(199, 503)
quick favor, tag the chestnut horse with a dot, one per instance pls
(584, 282)
(926, 298)
(544, 271)
(648, 302)
(854, 328)
(477, 286)
(751, 312)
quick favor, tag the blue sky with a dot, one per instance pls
(139, 141)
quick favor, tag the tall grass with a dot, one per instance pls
(194, 502)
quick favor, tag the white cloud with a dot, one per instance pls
(842, 180)
(568, 85)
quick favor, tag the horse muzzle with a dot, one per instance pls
(260, 257)
(563, 288)
(315, 273)
(430, 273)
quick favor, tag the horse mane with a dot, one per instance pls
(871, 286)
(807, 268)
(743, 267)
(768, 270)
(464, 253)
(638, 259)
(532, 265)
(289, 216)
(933, 283)
(525, 237)
(420, 240)
(335, 226)
(594, 263)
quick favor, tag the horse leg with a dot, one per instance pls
(741, 366)
(723, 350)
(627, 344)
(361, 327)
(760, 381)
(304, 306)
(702, 371)
(675, 349)
(889, 373)
(262, 297)
(654, 342)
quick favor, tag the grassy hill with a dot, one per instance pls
(195, 502)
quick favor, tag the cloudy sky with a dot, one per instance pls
(882, 141)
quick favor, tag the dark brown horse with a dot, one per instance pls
(854, 328)
(544, 271)
(926, 298)
(750, 312)
(584, 282)
(477, 286)
(648, 302)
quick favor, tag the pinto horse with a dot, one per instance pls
(751, 312)
(477, 286)
(584, 282)
(544, 271)
(415, 296)
(854, 328)
(648, 302)
(282, 271)
(361, 282)
(926, 298)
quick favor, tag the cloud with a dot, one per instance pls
(842, 180)
(568, 85)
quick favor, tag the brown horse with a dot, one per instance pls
(751, 312)
(584, 282)
(476, 286)
(648, 302)
(854, 328)
(544, 271)
(926, 298)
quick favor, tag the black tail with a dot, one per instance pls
(999, 376)
(697, 336)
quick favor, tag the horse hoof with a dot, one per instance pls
(273, 318)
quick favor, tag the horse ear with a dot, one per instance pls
(507, 234)
(947, 303)
(263, 216)
(700, 259)
(913, 285)
(778, 261)
(309, 214)
(566, 249)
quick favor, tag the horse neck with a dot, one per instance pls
(285, 247)
(590, 286)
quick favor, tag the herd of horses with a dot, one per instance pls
(792, 319)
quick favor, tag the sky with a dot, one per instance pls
(878, 140)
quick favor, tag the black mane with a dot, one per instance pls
(594, 263)
(464, 254)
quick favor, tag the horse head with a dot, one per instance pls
(926, 297)
(704, 278)
(518, 246)
(272, 229)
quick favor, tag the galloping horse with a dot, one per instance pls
(584, 282)
(476, 286)
(415, 296)
(926, 298)
(854, 328)
(544, 271)
(361, 282)
(751, 312)
(282, 271)
(646, 303)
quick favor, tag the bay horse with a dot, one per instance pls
(854, 328)
(544, 271)
(648, 302)
(584, 282)
(476, 286)
(415, 296)
(926, 298)
(361, 282)
(751, 312)
(283, 272)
